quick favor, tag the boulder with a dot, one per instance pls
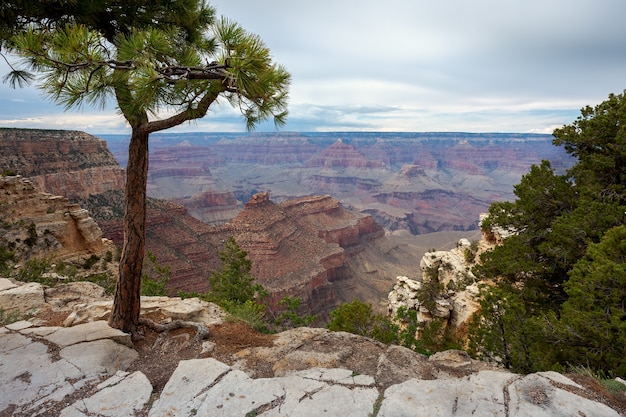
(24, 298)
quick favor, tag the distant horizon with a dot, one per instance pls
(419, 66)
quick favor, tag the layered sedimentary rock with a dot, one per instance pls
(420, 182)
(68, 163)
(38, 225)
(178, 241)
(212, 207)
(299, 248)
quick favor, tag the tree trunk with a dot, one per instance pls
(126, 304)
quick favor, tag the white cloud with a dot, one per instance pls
(475, 65)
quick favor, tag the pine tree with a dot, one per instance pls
(163, 66)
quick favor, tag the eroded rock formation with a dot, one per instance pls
(39, 225)
(67, 163)
(299, 248)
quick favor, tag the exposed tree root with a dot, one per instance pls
(202, 333)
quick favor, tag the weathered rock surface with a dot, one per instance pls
(38, 225)
(85, 370)
(301, 248)
(67, 163)
(450, 271)
(457, 176)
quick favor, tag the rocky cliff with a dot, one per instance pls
(68, 163)
(302, 248)
(447, 288)
(456, 176)
(37, 225)
(237, 372)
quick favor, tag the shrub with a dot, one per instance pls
(154, 286)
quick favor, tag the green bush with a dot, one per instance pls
(34, 271)
(233, 280)
(289, 317)
(358, 317)
(156, 284)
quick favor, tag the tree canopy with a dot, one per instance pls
(534, 313)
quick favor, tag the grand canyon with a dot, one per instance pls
(325, 217)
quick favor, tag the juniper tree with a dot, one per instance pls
(539, 272)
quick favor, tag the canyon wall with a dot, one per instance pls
(37, 225)
(68, 163)
(419, 182)
(311, 247)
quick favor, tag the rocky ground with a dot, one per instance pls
(62, 362)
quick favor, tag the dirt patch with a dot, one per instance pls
(596, 392)
(159, 353)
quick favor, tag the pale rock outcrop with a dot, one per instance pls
(187, 309)
(81, 370)
(451, 271)
(23, 299)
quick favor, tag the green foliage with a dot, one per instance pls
(9, 317)
(155, 283)
(470, 253)
(409, 330)
(289, 317)
(31, 240)
(593, 319)
(358, 317)
(430, 291)
(558, 289)
(404, 329)
(6, 258)
(34, 270)
(506, 333)
(91, 261)
(233, 281)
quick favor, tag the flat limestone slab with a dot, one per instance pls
(122, 395)
(207, 387)
(6, 284)
(88, 332)
(99, 356)
(29, 376)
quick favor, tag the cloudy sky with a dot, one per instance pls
(400, 65)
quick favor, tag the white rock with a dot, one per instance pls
(122, 395)
(99, 356)
(190, 379)
(535, 396)
(24, 298)
(6, 284)
(87, 332)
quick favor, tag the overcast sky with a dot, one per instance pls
(409, 65)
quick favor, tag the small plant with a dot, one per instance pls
(470, 253)
(289, 317)
(9, 317)
(155, 286)
(358, 317)
(31, 240)
(250, 311)
(34, 270)
(91, 261)
(68, 270)
(6, 257)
